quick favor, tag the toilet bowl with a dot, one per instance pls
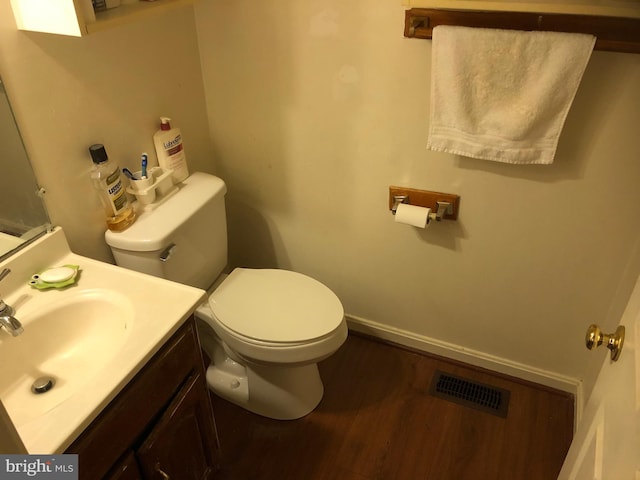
(264, 330)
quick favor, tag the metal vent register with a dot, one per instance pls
(471, 394)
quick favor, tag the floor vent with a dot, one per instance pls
(471, 394)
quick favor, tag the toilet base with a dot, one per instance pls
(273, 391)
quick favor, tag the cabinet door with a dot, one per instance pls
(182, 444)
(127, 469)
(77, 18)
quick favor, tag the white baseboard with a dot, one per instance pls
(472, 357)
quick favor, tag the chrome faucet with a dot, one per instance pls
(7, 320)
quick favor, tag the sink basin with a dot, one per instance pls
(69, 340)
(92, 338)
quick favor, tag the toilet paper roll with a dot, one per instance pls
(413, 215)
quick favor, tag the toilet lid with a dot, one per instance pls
(276, 305)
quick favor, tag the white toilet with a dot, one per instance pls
(263, 329)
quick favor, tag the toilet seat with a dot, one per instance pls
(271, 353)
(274, 308)
(272, 345)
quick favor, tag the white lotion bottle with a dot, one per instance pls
(170, 151)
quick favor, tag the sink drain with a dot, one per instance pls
(43, 385)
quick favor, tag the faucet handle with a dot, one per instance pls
(4, 272)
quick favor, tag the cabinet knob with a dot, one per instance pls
(162, 474)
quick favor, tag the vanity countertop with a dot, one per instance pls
(125, 317)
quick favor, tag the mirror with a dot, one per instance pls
(23, 216)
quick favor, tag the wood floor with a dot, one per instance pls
(378, 421)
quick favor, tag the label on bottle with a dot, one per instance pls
(171, 155)
(174, 145)
(175, 152)
(115, 192)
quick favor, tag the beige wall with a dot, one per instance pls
(312, 110)
(315, 108)
(107, 88)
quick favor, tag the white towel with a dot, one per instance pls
(503, 95)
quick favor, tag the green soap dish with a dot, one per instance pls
(58, 277)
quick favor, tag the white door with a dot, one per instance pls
(606, 445)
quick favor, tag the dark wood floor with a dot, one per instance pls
(378, 421)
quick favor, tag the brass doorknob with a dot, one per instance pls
(614, 341)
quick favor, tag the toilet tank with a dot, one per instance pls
(184, 239)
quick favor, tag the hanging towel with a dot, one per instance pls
(503, 95)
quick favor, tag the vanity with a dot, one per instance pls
(160, 425)
(129, 393)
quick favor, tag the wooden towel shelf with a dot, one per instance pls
(613, 34)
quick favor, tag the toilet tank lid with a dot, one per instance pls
(152, 230)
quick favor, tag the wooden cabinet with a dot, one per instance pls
(127, 469)
(77, 18)
(180, 442)
(161, 423)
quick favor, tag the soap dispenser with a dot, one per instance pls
(170, 151)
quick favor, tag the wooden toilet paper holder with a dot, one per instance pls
(445, 205)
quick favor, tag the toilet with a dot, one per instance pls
(264, 330)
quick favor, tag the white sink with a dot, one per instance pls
(68, 341)
(91, 338)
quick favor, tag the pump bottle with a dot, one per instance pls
(170, 151)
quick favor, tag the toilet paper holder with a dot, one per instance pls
(397, 200)
(443, 205)
(442, 208)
